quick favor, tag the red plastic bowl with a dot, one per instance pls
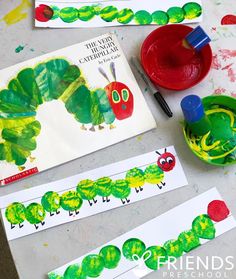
(155, 49)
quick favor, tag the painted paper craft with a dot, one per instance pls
(92, 192)
(66, 104)
(63, 14)
(148, 247)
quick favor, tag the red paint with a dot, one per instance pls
(166, 161)
(217, 210)
(43, 13)
(227, 67)
(216, 65)
(219, 91)
(227, 54)
(228, 19)
(121, 99)
(18, 176)
(231, 75)
(161, 69)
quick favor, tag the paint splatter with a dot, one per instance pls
(45, 244)
(216, 65)
(227, 53)
(17, 14)
(19, 49)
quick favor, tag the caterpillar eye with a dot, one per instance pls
(115, 96)
(169, 160)
(125, 94)
(162, 161)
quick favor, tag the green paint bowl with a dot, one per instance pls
(218, 146)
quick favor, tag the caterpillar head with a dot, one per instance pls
(166, 161)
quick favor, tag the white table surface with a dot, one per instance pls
(37, 254)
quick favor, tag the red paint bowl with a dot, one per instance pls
(161, 70)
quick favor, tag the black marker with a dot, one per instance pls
(161, 101)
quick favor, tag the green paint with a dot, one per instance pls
(104, 186)
(51, 201)
(131, 247)
(71, 201)
(176, 15)
(120, 189)
(173, 248)
(87, 189)
(192, 10)
(109, 13)
(111, 256)
(35, 213)
(204, 227)
(93, 265)
(86, 13)
(15, 213)
(74, 272)
(125, 16)
(153, 174)
(160, 17)
(19, 49)
(155, 261)
(69, 14)
(56, 12)
(143, 17)
(189, 240)
(53, 275)
(135, 177)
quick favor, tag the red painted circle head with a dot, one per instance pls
(43, 13)
(121, 99)
(166, 161)
(217, 210)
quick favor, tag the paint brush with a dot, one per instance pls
(157, 95)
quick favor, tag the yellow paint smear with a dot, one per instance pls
(18, 13)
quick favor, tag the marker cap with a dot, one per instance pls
(192, 108)
(198, 38)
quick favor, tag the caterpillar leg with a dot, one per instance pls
(36, 227)
(83, 128)
(21, 168)
(95, 201)
(90, 203)
(76, 212)
(51, 214)
(163, 183)
(112, 126)
(100, 127)
(42, 223)
(32, 159)
(92, 129)
(108, 200)
(103, 199)
(137, 190)
(12, 226)
(159, 186)
(70, 213)
(141, 188)
(125, 201)
(57, 212)
(21, 226)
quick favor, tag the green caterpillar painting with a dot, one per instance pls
(191, 10)
(55, 79)
(154, 256)
(87, 189)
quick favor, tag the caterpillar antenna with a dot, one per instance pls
(102, 72)
(113, 70)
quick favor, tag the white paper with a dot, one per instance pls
(173, 179)
(149, 6)
(61, 138)
(156, 232)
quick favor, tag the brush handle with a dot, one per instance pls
(163, 104)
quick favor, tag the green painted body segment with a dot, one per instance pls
(204, 227)
(69, 14)
(74, 271)
(120, 189)
(135, 177)
(109, 13)
(133, 246)
(15, 213)
(111, 256)
(56, 12)
(87, 189)
(51, 201)
(143, 17)
(160, 18)
(157, 259)
(71, 201)
(173, 248)
(176, 15)
(96, 114)
(93, 265)
(189, 240)
(35, 213)
(153, 174)
(192, 10)
(53, 275)
(125, 16)
(104, 186)
(86, 13)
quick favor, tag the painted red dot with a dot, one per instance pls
(217, 210)
(43, 13)
(228, 19)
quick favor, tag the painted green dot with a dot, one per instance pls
(176, 14)
(153, 174)
(86, 13)
(104, 186)
(69, 14)
(173, 248)
(35, 213)
(93, 265)
(109, 13)
(156, 258)
(135, 177)
(111, 256)
(56, 12)
(189, 240)
(15, 213)
(125, 16)
(74, 272)
(143, 17)
(192, 10)
(204, 227)
(51, 201)
(53, 275)
(71, 201)
(133, 246)
(160, 18)
(120, 189)
(87, 189)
